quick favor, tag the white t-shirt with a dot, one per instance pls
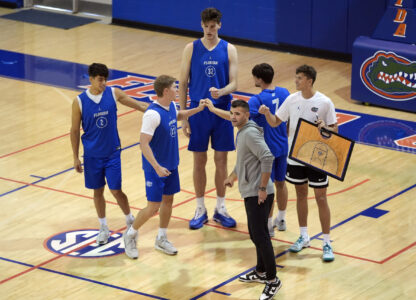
(151, 119)
(295, 107)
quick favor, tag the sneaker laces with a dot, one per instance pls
(199, 212)
(223, 211)
(327, 249)
(131, 239)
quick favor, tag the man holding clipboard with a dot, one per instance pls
(315, 107)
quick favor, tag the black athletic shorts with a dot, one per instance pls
(302, 174)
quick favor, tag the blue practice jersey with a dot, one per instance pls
(99, 122)
(164, 143)
(275, 137)
(209, 69)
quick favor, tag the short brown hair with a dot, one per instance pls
(211, 14)
(162, 82)
(240, 103)
(309, 72)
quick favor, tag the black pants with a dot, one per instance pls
(257, 216)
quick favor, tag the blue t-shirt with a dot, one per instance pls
(209, 69)
(164, 143)
(275, 137)
(99, 122)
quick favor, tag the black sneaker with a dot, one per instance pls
(271, 289)
(252, 276)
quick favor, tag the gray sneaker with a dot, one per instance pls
(130, 246)
(165, 246)
(280, 224)
(103, 235)
(271, 230)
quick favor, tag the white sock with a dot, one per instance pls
(326, 239)
(103, 221)
(200, 202)
(162, 232)
(304, 232)
(281, 215)
(131, 232)
(220, 203)
(270, 222)
(129, 219)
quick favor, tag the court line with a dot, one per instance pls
(52, 139)
(187, 220)
(317, 235)
(33, 267)
(330, 194)
(236, 230)
(217, 226)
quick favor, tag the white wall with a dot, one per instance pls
(101, 1)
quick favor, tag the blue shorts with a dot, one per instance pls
(97, 169)
(157, 186)
(204, 125)
(279, 168)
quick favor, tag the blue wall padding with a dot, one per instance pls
(320, 24)
(330, 25)
(363, 18)
(392, 61)
(387, 28)
(293, 22)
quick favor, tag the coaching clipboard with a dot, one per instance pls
(322, 150)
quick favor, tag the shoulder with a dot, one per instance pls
(187, 51)
(293, 97)
(252, 132)
(254, 99)
(282, 91)
(231, 48)
(323, 98)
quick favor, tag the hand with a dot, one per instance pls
(321, 124)
(263, 109)
(162, 172)
(209, 104)
(186, 128)
(229, 182)
(215, 93)
(262, 196)
(202, 104)
(77, 165)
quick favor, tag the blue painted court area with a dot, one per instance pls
(366, 129)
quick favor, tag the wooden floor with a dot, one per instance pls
(375, 257)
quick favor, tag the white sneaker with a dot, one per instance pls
(300, 244)
(280, 224)
(130, 246)
(162, 244)
(103, 235)
(129, 223)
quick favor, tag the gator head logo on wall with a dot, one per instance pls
(390, 76)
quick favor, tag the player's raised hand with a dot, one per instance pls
(263, 109)
(209, 104)
(215, 93)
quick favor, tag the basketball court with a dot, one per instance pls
(48, 221)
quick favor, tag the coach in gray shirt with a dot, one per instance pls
(253, 168)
